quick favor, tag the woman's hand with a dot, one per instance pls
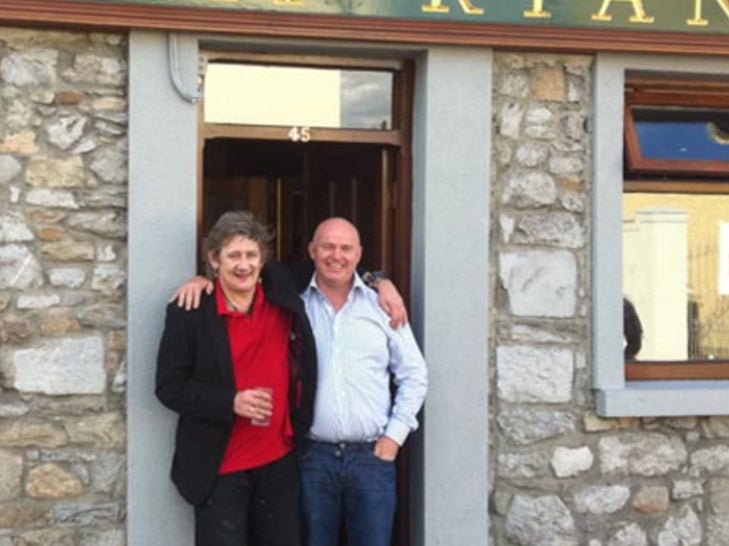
(255, 404)
(188, 295)
(391, 302)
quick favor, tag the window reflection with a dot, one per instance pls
(298, 96)
(676, 273)
(682, 133)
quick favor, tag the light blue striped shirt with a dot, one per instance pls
(357, 351)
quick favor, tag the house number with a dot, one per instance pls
(300, 134)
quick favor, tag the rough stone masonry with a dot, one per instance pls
(560, 475)
(63, 197)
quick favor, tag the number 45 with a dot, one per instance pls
(300, 134)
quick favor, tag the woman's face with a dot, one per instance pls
(238, 264)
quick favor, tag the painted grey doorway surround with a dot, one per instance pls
(450, 283)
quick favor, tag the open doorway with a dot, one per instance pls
(335, 143)
(292, 188)
(301, 138)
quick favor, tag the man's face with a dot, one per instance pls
(238, 265)
(336, 252)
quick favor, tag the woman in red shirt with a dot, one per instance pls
(240, 370)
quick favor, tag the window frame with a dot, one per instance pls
(646, 91)
(395, 136)
(618, 394)
(640, 92)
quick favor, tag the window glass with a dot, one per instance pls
(298, 96)
(676, 273)
(682, 133)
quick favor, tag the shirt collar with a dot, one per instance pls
(357, 287)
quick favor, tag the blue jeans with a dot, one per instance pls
(346, 479)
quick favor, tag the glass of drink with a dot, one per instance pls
(267, 421)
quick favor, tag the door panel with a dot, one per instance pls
(347, 182)
(293, 189)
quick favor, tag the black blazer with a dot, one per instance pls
(195, 379)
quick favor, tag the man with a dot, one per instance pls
(347, 466)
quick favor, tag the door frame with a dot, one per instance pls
(399, 195)
(396, 210)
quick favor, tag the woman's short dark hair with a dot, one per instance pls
(238, 222)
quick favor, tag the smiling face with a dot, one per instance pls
(336, 251)
(238, 264)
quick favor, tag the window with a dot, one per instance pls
(677, 127)
(304, 96)
(660, 188)
(676, 226)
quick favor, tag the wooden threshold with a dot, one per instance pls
(643, 371)
(704, 187)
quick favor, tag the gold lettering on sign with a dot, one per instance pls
(537, 11)
(698, 20)
(639, 14)
(437, 6)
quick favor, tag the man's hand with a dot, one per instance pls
(391, 302)
(386, 448)
(188, 295)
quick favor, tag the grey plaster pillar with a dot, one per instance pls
(452, 151)
(162, 224)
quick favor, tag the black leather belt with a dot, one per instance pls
(343, 446)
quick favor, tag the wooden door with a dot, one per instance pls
(293, 189)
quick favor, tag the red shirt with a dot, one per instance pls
(259, 346)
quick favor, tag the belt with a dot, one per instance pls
(339, 447)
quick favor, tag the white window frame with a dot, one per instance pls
(615, 396)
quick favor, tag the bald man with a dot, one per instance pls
(348, 463)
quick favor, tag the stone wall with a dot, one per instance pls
(63, 198)
(560, 475)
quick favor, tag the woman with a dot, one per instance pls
(240, 371)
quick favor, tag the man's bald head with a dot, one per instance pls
(336, 251)
(336, 225)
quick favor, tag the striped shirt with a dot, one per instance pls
(357, 353)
